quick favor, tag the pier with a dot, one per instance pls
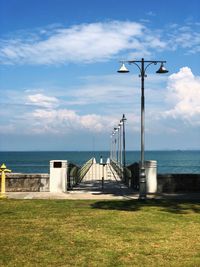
(96, 180)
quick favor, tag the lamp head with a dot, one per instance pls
(123, 118)
(123, 69)
(162, 69)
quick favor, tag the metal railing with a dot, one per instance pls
(117, 168)
(77, 173)
(124, 173)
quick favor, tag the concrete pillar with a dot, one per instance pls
(58, 176)
(151, 176)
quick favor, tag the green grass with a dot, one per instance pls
(99, 233)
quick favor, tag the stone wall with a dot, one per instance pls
(171, 183)
(168, 183)
(39, 182)
(25, 182)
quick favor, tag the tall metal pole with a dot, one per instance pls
(124, 144)
(120, 146)
(111, 147)
(142, 68)
(115, 145)
(118, 152)
(142, 179)
(115, 148)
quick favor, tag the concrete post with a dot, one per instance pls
(58, 176)
(151, 176)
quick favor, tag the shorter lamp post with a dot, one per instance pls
(115, 145)
(124, 144)
(111, 146)
(112, 157)
(120, 144)
(142, 74)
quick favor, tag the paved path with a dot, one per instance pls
(92, 189)
(73, 195)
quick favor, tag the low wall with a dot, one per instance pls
(170, 183)
(39, 182)
(25, 182)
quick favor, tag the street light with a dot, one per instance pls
(124, 148)
(111, 145)
(115, 145)
(120, 144)
(142, 69)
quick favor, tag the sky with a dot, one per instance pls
(60, 89)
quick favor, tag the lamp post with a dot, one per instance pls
(142, 70)
(124, 147)
(120, 144)
(115, 145)
(111, 146)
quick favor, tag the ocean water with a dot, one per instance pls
(38, 162)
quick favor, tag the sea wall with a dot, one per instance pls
(171, 183)
(25, 182)
(166, 183)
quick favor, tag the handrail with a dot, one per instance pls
(84, 169)
(76, 173)
(117, 168)
(123, 173)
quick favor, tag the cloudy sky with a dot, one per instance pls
(58, 80)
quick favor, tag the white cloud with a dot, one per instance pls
(42, 114)
(183, 92)
(80, 43)
(96, 105)
(186, 36)
(42, 100)
(94, 42)
(62, 121)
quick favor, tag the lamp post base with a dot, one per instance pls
(142, 185)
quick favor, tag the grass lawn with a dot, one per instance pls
(99, 233)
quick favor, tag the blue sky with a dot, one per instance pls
(58, 80)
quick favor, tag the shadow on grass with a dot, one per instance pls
(173, 206)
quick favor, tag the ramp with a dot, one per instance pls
(97, 171)
(102, 180)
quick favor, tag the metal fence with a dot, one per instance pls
(77, 173)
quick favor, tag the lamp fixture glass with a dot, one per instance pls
(162, 69)
(123, 69)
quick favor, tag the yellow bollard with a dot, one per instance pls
(3, 171)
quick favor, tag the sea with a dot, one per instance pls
(38, 162)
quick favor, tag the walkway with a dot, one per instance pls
(103, 180)
(91, 187)
(96, 196)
